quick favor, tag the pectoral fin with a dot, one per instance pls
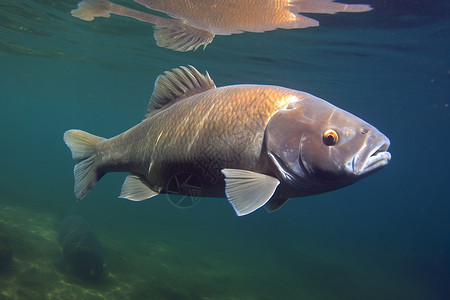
(134, 188)
(247, 191)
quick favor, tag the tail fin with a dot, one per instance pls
(89, 9)
(83, 146)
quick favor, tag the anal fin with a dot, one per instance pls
(135, 188)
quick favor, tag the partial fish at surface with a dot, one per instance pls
(256, 145)
(195, 23)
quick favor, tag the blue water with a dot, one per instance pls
(386, 237)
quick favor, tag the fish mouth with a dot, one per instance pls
(372, 157)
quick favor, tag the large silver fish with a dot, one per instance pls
(195, 23)
(255, 144)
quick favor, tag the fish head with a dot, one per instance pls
(317, 147)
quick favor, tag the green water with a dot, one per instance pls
(385, 237)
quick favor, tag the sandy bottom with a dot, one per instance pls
(152, 265)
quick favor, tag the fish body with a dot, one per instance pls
(219, 128)
(254, 144)
(231, 17)
(194, 23)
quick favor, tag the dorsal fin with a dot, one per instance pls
(177, 84)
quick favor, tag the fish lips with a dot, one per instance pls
(372, 157)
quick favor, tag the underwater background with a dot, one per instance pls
(386, 237)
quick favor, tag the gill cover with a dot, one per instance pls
(282, 138)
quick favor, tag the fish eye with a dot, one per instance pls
(330, 137)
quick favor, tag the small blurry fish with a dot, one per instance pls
(195, 23)
(255, 144)
(81, 247)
